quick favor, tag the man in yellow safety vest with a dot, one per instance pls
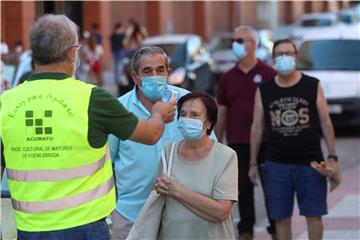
(54, 131)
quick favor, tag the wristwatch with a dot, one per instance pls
(335, 157)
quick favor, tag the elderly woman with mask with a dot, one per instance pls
(203, 184)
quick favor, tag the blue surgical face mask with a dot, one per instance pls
(153, 87)
(285, 64)
(191, 129)
(239, 50)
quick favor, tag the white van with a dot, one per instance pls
(333, 56)
(312, 21)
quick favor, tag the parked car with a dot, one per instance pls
(190, 61)
(312, 21)
(347, 16)
(221, 50)
(333, 56)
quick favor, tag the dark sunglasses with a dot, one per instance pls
(238, 40)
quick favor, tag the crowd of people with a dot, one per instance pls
(124, 41)
(74, 154)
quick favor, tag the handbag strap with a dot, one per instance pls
(166, 168)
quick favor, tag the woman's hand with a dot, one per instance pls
(168, 186)
(203, 206)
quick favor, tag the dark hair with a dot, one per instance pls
(95, 26)
(18, 43)
(117, 25)
(209, 103)
(280, 41)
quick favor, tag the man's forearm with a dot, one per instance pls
(255, 142)
(219, 131)
(329, 135)
(325, 121)
(148, 131)
(220, 125)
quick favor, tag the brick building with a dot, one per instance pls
(201, 17)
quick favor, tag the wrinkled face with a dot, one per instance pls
(194, 108)
(150, 65)
(245, 37)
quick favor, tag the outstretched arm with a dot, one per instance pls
(149, 131)
(220, 125)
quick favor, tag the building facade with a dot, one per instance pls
(200, 17)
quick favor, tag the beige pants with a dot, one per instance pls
(120, 226)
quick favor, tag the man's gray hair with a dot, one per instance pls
(51, 36)
(251, 30)
(147, 50)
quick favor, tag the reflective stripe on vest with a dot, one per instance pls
(56, 175)
(57, 179)
(66, 202)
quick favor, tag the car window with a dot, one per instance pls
(316, 23)
(224, 43)
(176, 54)
(345, 19)
(330, 55)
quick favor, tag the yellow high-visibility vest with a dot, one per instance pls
(56, 179)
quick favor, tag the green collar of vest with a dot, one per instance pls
(48, 75)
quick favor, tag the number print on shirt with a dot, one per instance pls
(289, 116)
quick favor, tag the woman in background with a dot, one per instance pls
(93, 53)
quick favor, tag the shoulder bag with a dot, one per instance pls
(148, 223)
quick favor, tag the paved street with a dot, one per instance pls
(342, 222)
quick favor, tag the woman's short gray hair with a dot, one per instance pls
(251, 30)
(147, 50)
(51, 36)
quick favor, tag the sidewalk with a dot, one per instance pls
(343, 220)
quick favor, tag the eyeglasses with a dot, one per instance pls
(77, 46)
(288, 53)
(238, 40)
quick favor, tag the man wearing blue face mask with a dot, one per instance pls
(293, 109)
(235, 96)
(136, 165)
